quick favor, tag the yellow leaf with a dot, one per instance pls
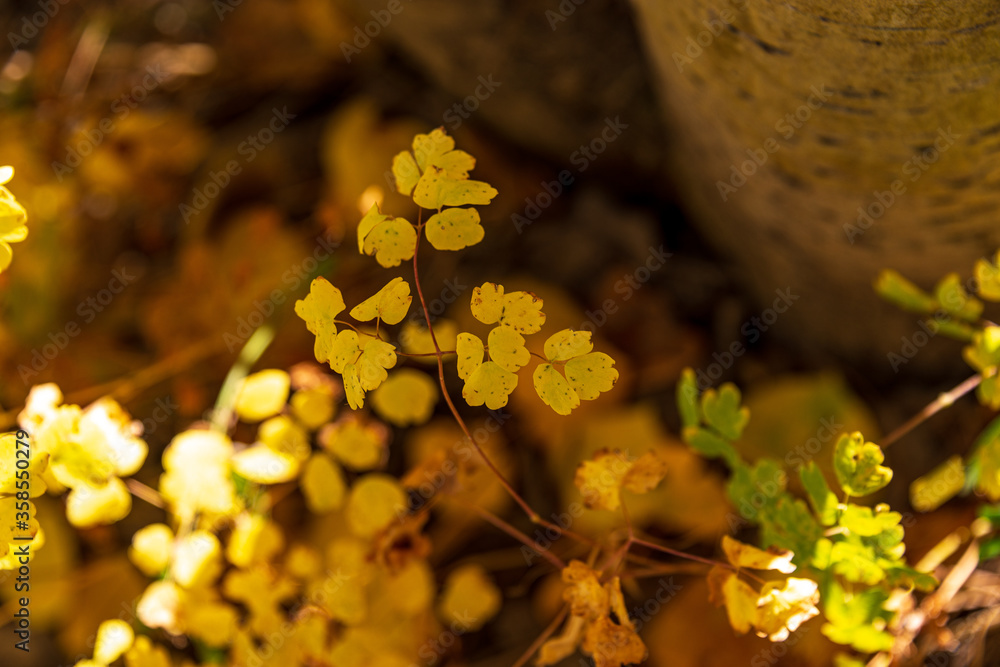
(284, 435)
(415, 338)
(746, 555)
(323, 484)
(470, 597)
(313, 407)
(507, 348)
(262, 395)
(197, 560)
(562, 645)
(374, 502)
(255, 539)
(407, 397)
(454, 229)
(345, 349)
(405, 171)
(554, 390)
(319, 310)
(436, 189)
(584, 592)
(567, 344)
(197, 476)
(645, 473)
(151, 548)
(391, 240)
(389, 304)
(741, 603)
(114, 637)
(613, 645)
(469, 350)
(264, 465)
(376, 357)
(781, 609)
(591, 374)
(929, 492)
(437, 148)
(89, 505)
(358, 444)
(214, 623)
(489, 384)
(600, 479)
(144, 653)
(352, 387)
(487, 302)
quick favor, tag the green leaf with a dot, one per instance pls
(907, 577)
(710, 445)
(723, 412)
(988, 278)
(755, 489)
(896, 289)
(823, 502)
(858, 465)
(865, 523)
(958, 330)
(984, 352)
(790, 525)
(687, 399)
(988, 392)
(856, 562)
(954, 299)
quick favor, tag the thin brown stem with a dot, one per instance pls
(519, 536)
(942, 401)
(542, 638)
(143, 492)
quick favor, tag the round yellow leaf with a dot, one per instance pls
(407, 397)
(375, 501)
(319, 310)
(313, 407)
(390, 304)
(323, 484)
(489, 384)
(591, 374)
(567, 344)
(454, 229)
(151, 548)
(469, 597)
(469, 350)
(507, 348)
(197, 559)
(357, 444)
(554, 390)
(114, 637)
(262, 395)
(89, 505)
(264, 465)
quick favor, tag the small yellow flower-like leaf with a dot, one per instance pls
(345, 349)
(197, 477)
(352, 387)
(437, 148)
(554, 390)
(319, 310)
(469, 597)
(374, 502)
(391, 240)
(407, 397)
(584, 592)
(490, 384)
(781, 609)
(746, 555)
(436, 189)
(313, 407)
(602, 478)
(454, 229)
(587, 375)
(518, 310)
(12, 219)
(151, 548)
(507, 348)
(612, 644)
(89, 505)
(255, 539)
(323, 484)
(284, 435)
(114, 637)
(741, 602)
(376, 357)
(389, 304)
(262, 395)
(356, 443)
(567, 344)
(469, 350)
